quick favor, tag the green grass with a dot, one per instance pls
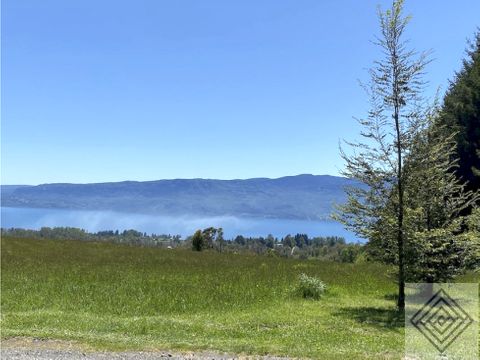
(114, 297)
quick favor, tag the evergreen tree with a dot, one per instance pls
(198, 242)
(435, 200)
(460, 115)
(395, 91)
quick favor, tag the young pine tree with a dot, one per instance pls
(395, 92)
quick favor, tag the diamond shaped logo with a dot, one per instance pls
(441, 320)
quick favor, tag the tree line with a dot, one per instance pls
(301, 246)
(127, 237)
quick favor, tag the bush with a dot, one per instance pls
(198, 241)
(310, 287)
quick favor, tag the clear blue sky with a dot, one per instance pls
(110, 90)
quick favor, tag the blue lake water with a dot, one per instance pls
(30, 218)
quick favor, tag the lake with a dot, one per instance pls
(93, 221)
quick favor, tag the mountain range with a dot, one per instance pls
(309, 197)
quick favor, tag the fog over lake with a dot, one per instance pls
(93, 221)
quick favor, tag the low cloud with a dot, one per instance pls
(182, 225)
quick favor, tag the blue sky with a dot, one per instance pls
(97, 91)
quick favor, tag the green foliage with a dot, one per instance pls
(435, 250)
(209, 235)
(411, 208)
(350, 253)
(209, 238)
(310, 287)
(435, 199)
(441, 256)
(460, 115)
(395, 117)
(198, 241)
(471, 237)
(128, 237)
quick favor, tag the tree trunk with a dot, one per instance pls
(400, 244)
(400, 239)
(428, 290)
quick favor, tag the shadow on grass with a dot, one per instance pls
(378, 317)
(392, 297)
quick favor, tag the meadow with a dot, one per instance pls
(116, 297)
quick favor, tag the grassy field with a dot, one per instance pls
(118, 297)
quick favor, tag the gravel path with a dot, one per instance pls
(35, 349)
(46, 354)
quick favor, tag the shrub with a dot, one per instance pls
(310, 287)
(198, 242)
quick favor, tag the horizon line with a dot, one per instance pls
(172, 179)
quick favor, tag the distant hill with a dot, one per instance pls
(292, 197)
(8, 189)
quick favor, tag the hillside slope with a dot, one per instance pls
(292, 197)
